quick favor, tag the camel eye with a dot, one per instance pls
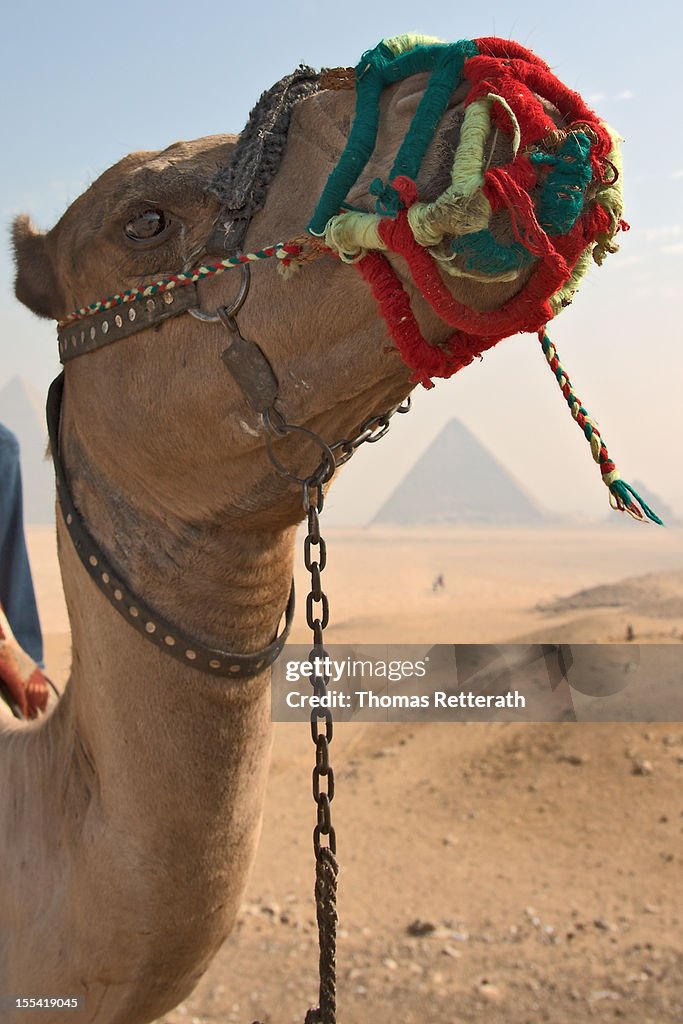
(147, 225)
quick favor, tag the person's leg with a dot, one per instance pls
(16, 586)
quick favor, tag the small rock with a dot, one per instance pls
(488, 989)
(641, 766)
(460, 936)
(575, 759)
(270, 909)
(603, 993)
(450, 951)
(418, 928)
(603, 925)
(390, 964)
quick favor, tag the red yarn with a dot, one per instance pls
(507, 49)
(511, 71)
(501, 188)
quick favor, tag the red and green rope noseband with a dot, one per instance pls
(560, 191)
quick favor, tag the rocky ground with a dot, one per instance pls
(498, 874)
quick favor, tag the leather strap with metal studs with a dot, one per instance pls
(100, 329)
(163, 634)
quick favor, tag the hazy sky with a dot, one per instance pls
(85, 83)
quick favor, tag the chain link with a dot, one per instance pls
(322, 729)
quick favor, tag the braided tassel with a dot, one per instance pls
(622, 496)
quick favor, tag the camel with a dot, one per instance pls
(130, 814)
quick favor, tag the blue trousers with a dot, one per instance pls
(16, 586)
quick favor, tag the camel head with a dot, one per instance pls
(470, 217)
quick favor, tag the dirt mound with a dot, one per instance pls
(655, 594)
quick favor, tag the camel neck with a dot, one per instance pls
(154, 771)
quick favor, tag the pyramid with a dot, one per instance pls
(455, 481)
(21, 409)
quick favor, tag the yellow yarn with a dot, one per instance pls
(467, 174)
(450, 214)
(408, 41)
(610, 197)
(352, 234)
(566, 293)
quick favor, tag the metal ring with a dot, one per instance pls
(289, 428)
(234, 307)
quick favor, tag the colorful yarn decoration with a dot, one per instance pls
(561, 191)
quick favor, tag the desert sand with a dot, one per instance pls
(490, 873)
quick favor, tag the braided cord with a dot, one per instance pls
(622, 495)
(284, 251)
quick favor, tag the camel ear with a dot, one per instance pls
(35, 285)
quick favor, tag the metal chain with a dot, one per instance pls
(324, 836)
(317, 618)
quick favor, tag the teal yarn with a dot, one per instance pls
(376, 69)
(447, 62)
(624, 492)
(357, 152)
(563, 192)
(481, 252)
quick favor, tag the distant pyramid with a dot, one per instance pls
(458, 481)
(21, 409)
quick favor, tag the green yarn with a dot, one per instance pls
(358, 149)
(482, 252)
(447, 62)
(563, 192)
(624, 492)
(377, 68)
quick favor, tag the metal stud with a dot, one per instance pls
(93, 332)
(105, 577)
(131, 314)
(150, 627)
(133, 612)
(82, 337)
(118, 595)
(235, 668)
(105, 326)
(118, 320)
(92, 560)
(169, 641)
(69, 519)
(214, 664)
(191, 655)
(151, 305)
(168, 298)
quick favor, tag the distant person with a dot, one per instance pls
(438, 584)
(17, 596)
